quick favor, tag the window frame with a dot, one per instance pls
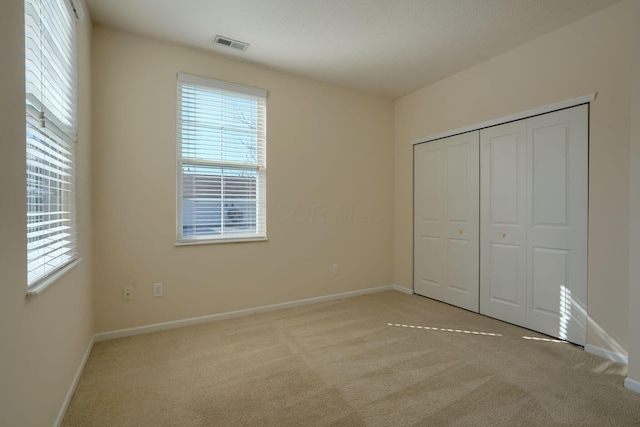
(51, 107)
(209, 85)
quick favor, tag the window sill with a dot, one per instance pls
(44, 285)
(219, 241)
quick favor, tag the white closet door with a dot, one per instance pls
(533, 249)
(557, 200)
(446, 220)
(428, 219)
(503, 222)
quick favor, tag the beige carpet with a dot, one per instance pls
(385, 359)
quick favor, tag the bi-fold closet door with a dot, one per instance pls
(446, 220)
(531, 222)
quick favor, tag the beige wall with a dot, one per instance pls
(330, 185)
(634, 211)
(329, 179)
(590, 55)
(42, 338)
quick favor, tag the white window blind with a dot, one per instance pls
(50, 79)
(221, 133)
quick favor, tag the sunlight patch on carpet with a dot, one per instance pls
(460, 331)
(544, 339)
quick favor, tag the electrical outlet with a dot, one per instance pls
(157, 290)
(127, 294)
(336, 269)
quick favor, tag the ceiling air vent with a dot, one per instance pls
(225, 41)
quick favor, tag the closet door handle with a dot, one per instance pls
(503, 234)
(459, 231)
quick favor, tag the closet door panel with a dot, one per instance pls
(548, 268)
(557, 147)
(549, 176)
(428, 219)
(449, 191)
(430, 262)
(462, 220)
(503, 220)
(504, 271)
(503, 175)
(458, 191)
(459, 269)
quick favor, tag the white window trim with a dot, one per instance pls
(44, 284)
(218, 241)
(67, 133)
(184, 78)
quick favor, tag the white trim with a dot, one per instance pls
(607, 354)
(510, 118)
(246, 312)
(190, 79)
(632, 385)
(216, 241)
(43, 285)
(402, 289)
(74, 384)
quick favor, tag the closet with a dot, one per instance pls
(500, 222)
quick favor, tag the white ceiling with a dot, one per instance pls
(386, 47)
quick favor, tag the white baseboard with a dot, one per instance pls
(402, 289)
(607, 354)
(229, 315)
(632, 385)
(74, 384)
(205, 319)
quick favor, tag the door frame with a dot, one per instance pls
(573, 102)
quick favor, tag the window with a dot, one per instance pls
(221, 132)
(50, 79)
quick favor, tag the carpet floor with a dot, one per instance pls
(384, 359)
